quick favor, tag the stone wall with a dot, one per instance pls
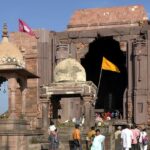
(28, 46)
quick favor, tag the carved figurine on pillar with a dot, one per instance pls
(24, 92)
(39, 110)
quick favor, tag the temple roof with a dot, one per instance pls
(9, 53)
(105, 17)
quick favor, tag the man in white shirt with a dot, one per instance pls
(98, 142)
(126, 136)
(52, 127)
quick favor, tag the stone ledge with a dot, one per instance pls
(34, 147)
(20, 132)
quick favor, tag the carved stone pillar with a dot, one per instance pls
(24, 93)
(130, 109)
(12, 97)
(24, 101)
(140, 80)
(45, 110)
(12, 104)
(130, 83)
(88, 111)
(82, 106)
(125, 96)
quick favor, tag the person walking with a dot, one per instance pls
(118, 145)
(143, 140)
(98, 142)
(126, 136)
(53, 140)
(53, 137)
(76, 138)
(136, 135)
(51, 128)
(90, 136)
(137, 129)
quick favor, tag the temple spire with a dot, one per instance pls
(5, 33)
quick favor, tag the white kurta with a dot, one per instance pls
(126, 136)
(98, 142)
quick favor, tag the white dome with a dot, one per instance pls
(9, 53)
(69, 70)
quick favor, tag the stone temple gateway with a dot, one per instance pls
(61, 71)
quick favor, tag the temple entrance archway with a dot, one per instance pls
(111, 85)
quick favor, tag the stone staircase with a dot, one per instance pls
(65, 137)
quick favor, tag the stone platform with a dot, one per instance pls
(16, 134)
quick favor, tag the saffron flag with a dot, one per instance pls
(107, 65)
(23, 27)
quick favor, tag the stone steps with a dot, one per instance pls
(65, 138)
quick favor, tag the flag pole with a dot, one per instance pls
(99, 81)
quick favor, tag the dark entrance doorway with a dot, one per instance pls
(112, 84)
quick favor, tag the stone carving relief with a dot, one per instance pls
(50, 112)
(39, 110)
(81, 50)
(33, 123)
(23, 142)
(11, 60)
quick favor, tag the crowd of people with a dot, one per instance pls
(105, 116)
(131, 138)
(95, 140)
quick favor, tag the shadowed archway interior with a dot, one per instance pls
(112, 84)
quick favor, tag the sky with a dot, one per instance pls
(50, 15)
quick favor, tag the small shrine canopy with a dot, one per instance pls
(11, 58)
(9, 53)
(107, 17)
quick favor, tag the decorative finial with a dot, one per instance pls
(5, 31)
